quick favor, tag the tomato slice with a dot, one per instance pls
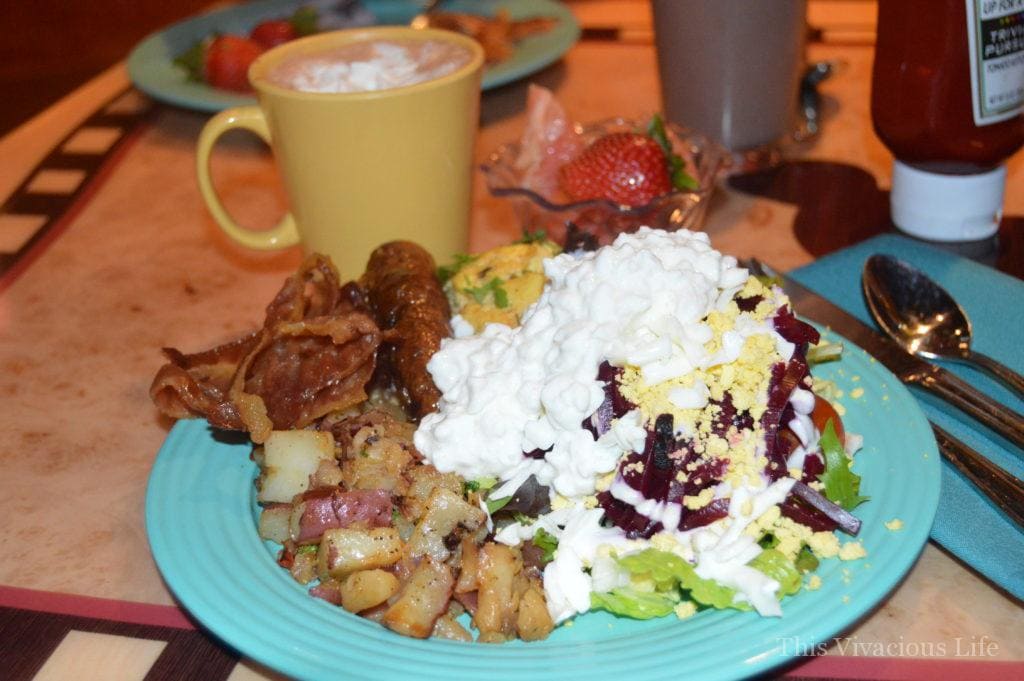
(823, 411)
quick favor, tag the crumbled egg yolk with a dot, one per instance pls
(852, 550)
(560, 502)
(814, 583)
(894, 525)
(685, 609)
(605, 481)
(666, 541)
(694, 502)
(746, 380)
(824, 544)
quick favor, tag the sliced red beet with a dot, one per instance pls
(626, 517)
(836, 515)
(749, 304)
(716, 510)
(793, 330)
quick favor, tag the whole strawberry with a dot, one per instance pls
(624, 167)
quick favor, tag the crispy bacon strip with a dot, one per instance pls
(407, 299)
(314, 355)
(301, 371)
(197, 384)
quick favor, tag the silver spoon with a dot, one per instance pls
(921, 316)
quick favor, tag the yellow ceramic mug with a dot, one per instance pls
(361, 168)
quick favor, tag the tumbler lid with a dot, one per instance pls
(941, 207)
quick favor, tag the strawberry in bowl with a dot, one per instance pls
(584, 184)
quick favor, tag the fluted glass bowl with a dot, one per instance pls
(600, 220)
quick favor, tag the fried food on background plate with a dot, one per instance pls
(497, 34)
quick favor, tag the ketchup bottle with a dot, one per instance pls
(946, 99)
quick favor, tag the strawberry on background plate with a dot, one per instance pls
(273, 32)
(226, 62)
(627, 168)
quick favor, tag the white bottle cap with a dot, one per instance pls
(941, 207)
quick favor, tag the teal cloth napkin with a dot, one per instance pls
(967, 523)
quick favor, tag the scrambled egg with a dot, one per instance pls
(496, 286)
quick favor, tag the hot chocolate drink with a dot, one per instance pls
(370, 65)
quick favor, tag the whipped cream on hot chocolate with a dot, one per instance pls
(368, 66)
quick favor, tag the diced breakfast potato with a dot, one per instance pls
(274, 522)
(533, 621)
(423, 599)
(290, 457)
(422, 482)
(327, 474)
(448, 627)
(468, 575)
(497, 600)
(347, 550)
(376, 462)
(367, 588)
(303, 567)
(446, 510)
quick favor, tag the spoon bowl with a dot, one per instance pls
(924, 318)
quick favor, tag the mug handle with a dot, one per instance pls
(251, 118)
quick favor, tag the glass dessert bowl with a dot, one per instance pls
(542, 207)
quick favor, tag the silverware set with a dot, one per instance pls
(921, 320)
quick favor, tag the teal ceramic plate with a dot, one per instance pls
(152, 70)
(201, 520)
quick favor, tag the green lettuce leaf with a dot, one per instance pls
(780, 568)
(675, 579)
(546, 541)
(842, 485)
(495, 505)
(668, 571)
(806, 561)
(641, 605)
(824, 351)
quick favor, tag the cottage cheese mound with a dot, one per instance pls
(507, 391)
(659, 305)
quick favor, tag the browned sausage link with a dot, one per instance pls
(407, 298)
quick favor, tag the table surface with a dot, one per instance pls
(81, 323)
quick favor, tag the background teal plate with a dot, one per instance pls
(201, 521)
(151, 67)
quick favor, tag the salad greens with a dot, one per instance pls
(661, 580)
(841, 483)
(546, 541)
